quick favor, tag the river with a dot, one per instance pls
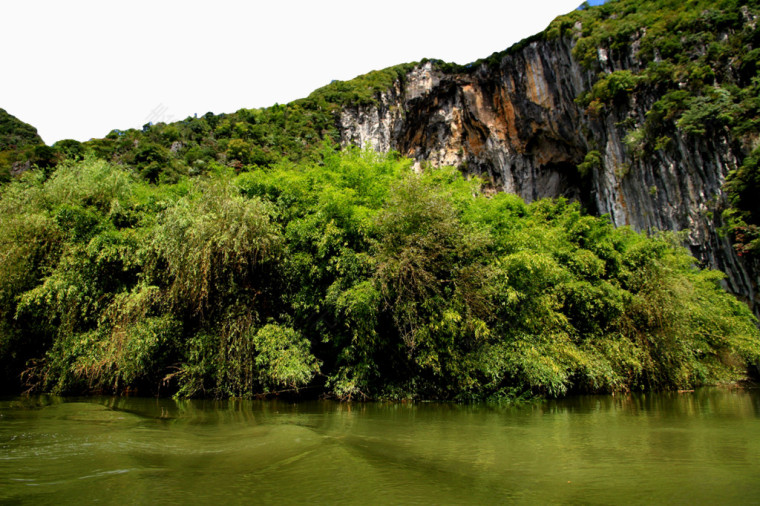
(700, 447)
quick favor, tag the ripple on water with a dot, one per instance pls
(593, 450)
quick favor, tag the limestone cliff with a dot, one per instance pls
(518, 123)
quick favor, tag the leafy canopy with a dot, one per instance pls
(352, 276)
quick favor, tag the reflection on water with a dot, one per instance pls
(699, 447)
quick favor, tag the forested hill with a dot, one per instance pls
(20, 147)
(16, 134)
(643, 110)
(240, 254)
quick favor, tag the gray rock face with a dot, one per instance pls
(519, 126)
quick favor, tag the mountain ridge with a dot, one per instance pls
(639, 110)
(247, 255)
(588, 113)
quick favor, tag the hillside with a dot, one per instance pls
(242, 254)
(21, 147)
(646, 111)
(643, 110)
(14, 133)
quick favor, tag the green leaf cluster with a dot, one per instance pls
(14, 133)
(244, 140)
(21, 148)
(696, 62)
(350, 275)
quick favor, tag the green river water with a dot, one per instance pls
(688, 448)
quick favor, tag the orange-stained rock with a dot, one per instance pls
(518, 124)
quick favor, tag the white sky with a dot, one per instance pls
(78, 69)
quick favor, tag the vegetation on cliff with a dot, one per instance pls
(240, 254)
(695, 65)
(14, 133)
(691, 66)
(700, 63)
(20, 146)
(352, 275)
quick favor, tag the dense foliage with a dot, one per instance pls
(350, 275)
(15, 133)
(20, 146)
(700, 61)
(240, 254)
(245, 139)
(697, 62)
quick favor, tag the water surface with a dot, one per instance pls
(690, 448)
